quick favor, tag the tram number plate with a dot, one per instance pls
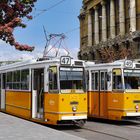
(65, 60)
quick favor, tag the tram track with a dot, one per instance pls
(136, 127)
(135, 124)
(104, 133)
(103, 130)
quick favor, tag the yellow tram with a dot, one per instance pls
(46, 91)
(114, 90)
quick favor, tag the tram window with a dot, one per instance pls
(25, 79)
(103, 80)
(117, 79)
(95, 81)
(53, 79)
(9, 80)
(106, 80)
(16, 80)
(3, 81)
(72, 79)
(87, 78)
(132, 79)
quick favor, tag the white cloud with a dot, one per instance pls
(3, 44)
(53, 51)
(9, 53)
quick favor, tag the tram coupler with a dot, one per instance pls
(79, 123)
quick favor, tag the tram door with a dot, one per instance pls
(99, 96)
(2, 91)
(103, 93)
(38, 93)
(95, 95)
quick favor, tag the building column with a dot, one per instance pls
(122, 17)
(112, 19)
(132, 15)
(96, 26)
(89, 29)
(104, 22)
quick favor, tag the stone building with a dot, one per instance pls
(109, 30)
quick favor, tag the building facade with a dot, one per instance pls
(109, 30)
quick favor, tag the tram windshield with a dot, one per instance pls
(71, 80)
(132, 79)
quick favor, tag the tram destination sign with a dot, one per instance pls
(65, 60)
(128, 63)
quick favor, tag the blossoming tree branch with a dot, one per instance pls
(11, 14)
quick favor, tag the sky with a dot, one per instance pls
(59, 16)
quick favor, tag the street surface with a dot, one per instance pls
(13, 128)
(106, 130)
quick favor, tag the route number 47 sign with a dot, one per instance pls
(65, 60)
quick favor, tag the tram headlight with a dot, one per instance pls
(137, 107)
(74, 108)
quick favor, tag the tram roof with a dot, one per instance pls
(33, 63)
(118, 63)
(29, 63)
(93, 64)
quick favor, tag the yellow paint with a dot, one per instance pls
(18, 111)
(93, 104)
(55, 105)
(103, 104)
(58, 105)
(18, 103)
(112, 105)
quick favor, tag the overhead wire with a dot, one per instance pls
(49, 8)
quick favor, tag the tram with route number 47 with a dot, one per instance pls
(114, 90)
(46, 91)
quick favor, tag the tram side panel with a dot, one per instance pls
(18, 103)
(93, 104)
(103, 104)
(51, 107)
(115, 105)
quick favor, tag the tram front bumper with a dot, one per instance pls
(74, 117)
(132, 114)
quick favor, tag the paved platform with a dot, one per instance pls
(13, 128)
